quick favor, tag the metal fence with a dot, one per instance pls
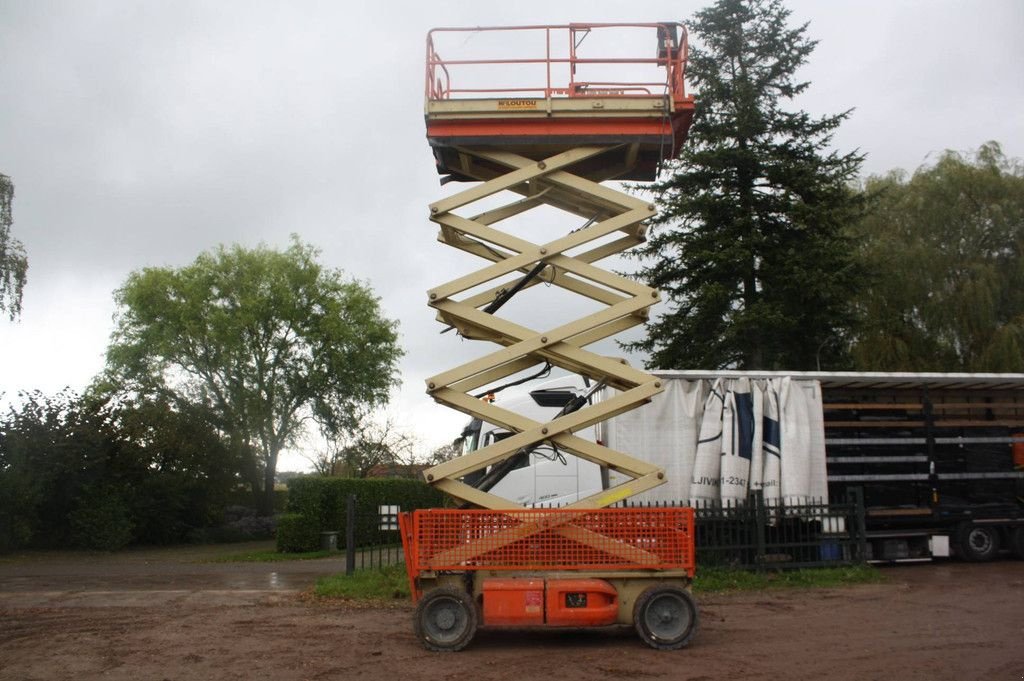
(755, 534)
(371, 540)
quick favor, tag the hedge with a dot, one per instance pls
(323, 501)
(296, 533)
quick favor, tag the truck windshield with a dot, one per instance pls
(471, 436)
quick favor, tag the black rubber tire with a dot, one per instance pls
(445, 619)
(665, 617)
(977, 543)
(1017, 542)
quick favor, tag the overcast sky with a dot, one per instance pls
(143, 133)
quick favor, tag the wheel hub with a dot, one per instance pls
(665, 618)
(979, 540)
(445, 619)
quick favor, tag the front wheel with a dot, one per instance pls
(665, 617)
(445, 619)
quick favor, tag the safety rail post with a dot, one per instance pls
(547, 66)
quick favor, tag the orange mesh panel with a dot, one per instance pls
(552, 539)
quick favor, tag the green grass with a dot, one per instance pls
(271, 556)
(384, 584)
(720, 580)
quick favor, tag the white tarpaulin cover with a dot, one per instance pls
(719, 439)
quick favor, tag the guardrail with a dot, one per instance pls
(561, 62)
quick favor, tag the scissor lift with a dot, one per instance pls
(561, 123)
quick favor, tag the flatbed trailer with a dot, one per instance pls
(938, 459)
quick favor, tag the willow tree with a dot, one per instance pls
(265, 341)
(750, 245)
(13, 261)
(945, 249)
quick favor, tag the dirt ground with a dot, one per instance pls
(164, 614)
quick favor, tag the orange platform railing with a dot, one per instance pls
(555, 64)
(549, 539)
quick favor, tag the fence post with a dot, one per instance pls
(761, 520)
(855, 496)
(350, 534)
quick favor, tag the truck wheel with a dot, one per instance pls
(1017, 542)
(665, 617)
(445, 619)
(977, 543)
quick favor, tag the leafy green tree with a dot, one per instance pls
(188, 469)
(65, 473)
(750, 245)
(265, 340)
(81, 471)
(944, 248)
(13, 261)
(21, 490)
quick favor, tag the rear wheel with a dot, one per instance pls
(977, 543)
(665, 617)
(445, 619)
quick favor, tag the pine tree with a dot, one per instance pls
(750, 245)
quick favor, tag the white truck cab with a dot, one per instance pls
(548, 476)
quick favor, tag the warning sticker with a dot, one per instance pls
(534, 599)
(516, 104)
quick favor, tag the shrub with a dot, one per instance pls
(253, 527)
(84, 471)
(240, 523)
(19, 498)
(102, 523)
(297, 533)
(15, 532)
(324, 501)
(167, 507)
